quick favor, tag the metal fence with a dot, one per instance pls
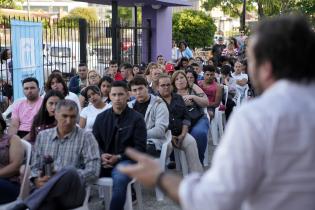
(67, 42)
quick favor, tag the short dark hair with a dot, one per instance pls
(126, 66)
(288, 43)
(195, 64)
(209, 68)
(30, 79)
(159, 56)
(112, 62)
(137, 81)
(120, 84)
(226, 70)
(103, 79)
(82, 64)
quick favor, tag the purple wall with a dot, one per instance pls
(161, 24)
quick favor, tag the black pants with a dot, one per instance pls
(65, 190)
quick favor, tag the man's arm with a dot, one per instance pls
(241, 151)
(14, 126)
(161, 122)
(97, 132)
(91, 158)
(242, 82)
(140, 135)
(15, 120)
(148, 172)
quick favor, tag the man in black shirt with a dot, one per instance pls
(179, 123)
(217, 50)
(116, 129)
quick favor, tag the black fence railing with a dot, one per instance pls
(67, 42)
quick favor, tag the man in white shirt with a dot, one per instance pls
(267, 154)
(241, 80)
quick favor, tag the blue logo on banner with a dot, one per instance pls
(27, 54)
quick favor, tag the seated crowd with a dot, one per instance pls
(84, 128)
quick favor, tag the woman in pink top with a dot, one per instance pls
(211, 88)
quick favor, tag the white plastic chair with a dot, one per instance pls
(24, 191)
(162, 160)
(181, 161)
(86, 200)
(106, 184)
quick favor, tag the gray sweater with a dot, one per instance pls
(156, 119)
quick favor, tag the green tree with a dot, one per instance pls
(9, 4)
(195, 27)
(89, 14)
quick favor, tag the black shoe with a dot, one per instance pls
(171, 165)
(133, 195)
(19, 206)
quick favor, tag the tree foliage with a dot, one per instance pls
(9, 4)
(263, 7)
(89, 14)
(194, 27)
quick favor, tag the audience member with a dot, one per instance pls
(76, 162)
(184, 51)
(192, 77)
(241, 80)
(155, 113)
(211, 88)
(78, 82)
(198, 70)
(56, 82)
(113, 71)
(11, 158)
(93, 79)
(45, 118)
(116, 129)
(126, 72)
(104, 85)
(24, 110)
(195, 100)
(179, 123)
(89, 113)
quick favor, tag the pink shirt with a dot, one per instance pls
(25, 112)
(210, 90)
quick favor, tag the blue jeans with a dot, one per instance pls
(120, 183)
(200, 133)
(9, 191)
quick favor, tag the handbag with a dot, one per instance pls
(195, 113)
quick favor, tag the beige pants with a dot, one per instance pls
(189, 146)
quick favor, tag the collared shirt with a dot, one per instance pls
(266, 157)
(78, 149)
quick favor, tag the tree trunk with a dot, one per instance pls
(261, 13)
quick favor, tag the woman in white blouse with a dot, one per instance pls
(97, 105)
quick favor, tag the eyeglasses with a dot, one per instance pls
(93, 76)
(165, 85)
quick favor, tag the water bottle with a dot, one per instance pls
(48, 167)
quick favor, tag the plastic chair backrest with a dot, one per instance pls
(24, 191)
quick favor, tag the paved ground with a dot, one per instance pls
(149, 199)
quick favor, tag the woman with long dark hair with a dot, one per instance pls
(56, 82)
(104, 85)
(45, 118)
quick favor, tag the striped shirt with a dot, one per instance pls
(78, 149)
